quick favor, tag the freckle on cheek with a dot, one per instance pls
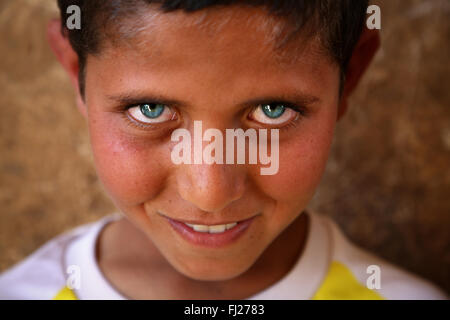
(132, 173)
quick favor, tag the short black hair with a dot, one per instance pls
(338, 22)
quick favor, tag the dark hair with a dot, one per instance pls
(338, 22)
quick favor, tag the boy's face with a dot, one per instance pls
(212, 75)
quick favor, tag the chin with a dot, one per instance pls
(218, 271)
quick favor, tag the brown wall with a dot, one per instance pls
(387, 182)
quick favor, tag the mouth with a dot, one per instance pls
(210, 235)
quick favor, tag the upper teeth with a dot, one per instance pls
(212, 229)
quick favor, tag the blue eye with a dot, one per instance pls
(273, 111)
(151, 113)
(152, 110)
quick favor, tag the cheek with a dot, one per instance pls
(131, 169)
(302, 161)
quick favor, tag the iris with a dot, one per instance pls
(273, 111)
(152, 110)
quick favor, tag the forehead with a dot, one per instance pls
(244, 31)
(221, 45)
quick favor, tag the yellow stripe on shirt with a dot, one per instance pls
(341, 284)
(65, 294)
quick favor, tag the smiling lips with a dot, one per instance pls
(218, 228)
(210, 235)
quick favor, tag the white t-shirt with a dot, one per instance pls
(330, 267)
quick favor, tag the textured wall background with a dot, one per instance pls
(387, 182)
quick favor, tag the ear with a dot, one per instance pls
(67, 57)
(362, 56)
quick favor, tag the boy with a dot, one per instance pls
(211, 230)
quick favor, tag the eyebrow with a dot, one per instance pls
(129, 99)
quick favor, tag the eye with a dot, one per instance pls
(275, 113)
(151, 113)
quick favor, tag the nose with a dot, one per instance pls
(211, 187)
